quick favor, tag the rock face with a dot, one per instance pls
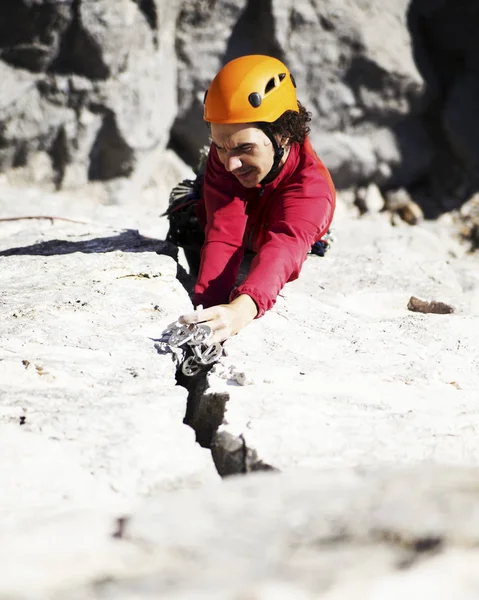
(365, 94)
(349, 400)
(340, 388)
(446, 50)
(91, 84)
(91, 87)
(93, 413)
(342, 372)
(392, 89)
(329, 534)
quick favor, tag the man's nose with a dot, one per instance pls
(232, 163)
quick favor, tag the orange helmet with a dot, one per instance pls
(250, 89)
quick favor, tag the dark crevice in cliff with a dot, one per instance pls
(446, 47)
(254, 33)
(30, 33)
(149, 10)
(110, 155)
(79, 53)
(60, 156)
(205, 413)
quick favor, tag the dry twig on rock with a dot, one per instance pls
(6, 219)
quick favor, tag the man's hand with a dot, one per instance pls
(225, 320)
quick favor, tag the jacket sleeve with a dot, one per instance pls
(294, 226)
(222, 251)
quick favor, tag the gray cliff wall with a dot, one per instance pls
(98, 87)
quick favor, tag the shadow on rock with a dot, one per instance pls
(445, 48)
(127, 241)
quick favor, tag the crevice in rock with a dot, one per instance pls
(421, 549)
(20, 156)
(428, 544)
(445, 48)
(254, 33)
(204, 410)
(149, 10)
(30, 33)
(232, 455)
(79, 53)
(110, 156)
(60, 156)
(205, 413)
(415, 549)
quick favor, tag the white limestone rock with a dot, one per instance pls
(83, 307)
(343, 374)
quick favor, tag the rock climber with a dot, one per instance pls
(264, 190)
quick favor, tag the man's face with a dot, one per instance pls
(244, 150)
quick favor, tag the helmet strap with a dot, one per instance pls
(278, 153)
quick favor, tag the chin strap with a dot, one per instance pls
(278, 153)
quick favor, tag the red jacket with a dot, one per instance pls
(279, 221)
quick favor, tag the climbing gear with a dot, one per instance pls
(322, 246)
(184, 229)
(319, 248)
(196, 337)
(250, 89)
(278, 150)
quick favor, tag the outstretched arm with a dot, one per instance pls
(222, 251)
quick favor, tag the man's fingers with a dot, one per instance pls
(214, 317)
(188, 319)
(199, 316)
(220, 335)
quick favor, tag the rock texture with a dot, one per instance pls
(346, 398)
(90, 85)
(365, 93)
(340, 388)
(94, 90)
(342, 372)
(392, 89)
(330, 534)
(89, 406)
(446, 50)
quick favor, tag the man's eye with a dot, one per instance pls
(246, 148)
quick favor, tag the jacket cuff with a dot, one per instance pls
(263, 302)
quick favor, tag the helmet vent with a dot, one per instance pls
(204, 98)
(292, 80)
(281, 76)
(270, 85)
(255, 99)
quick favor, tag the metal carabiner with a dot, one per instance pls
(182, 334)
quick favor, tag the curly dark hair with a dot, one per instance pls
(291, 126)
